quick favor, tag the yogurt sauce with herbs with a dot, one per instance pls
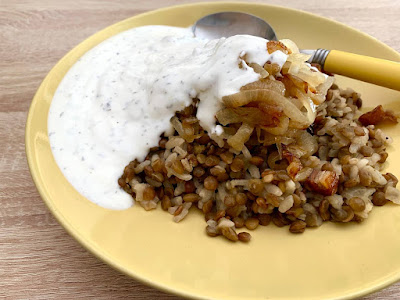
(115, 102)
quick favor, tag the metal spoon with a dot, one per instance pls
(225, 24)
(369, 69)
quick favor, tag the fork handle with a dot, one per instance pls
(365, 68)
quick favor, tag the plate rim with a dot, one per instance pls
(93, 249)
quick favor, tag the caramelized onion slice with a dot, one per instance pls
(274, 85)
(251, 115)
(307, 103)
(241, 136)
(280, 129)
(271, 97)
(308, 142)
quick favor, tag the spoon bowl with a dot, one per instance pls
(225, 24)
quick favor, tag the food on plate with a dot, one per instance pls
(241, 128)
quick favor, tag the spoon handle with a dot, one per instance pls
(369, 69)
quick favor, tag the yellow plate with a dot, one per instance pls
(330, 262)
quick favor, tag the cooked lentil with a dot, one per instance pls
(244, 237)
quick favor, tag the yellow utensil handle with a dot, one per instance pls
(369, 69)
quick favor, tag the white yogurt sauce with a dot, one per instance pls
(115, 102)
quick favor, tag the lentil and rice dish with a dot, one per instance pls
(277, 159)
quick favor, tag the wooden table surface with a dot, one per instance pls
(38, 259)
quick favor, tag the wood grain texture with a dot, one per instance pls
(38, 259)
